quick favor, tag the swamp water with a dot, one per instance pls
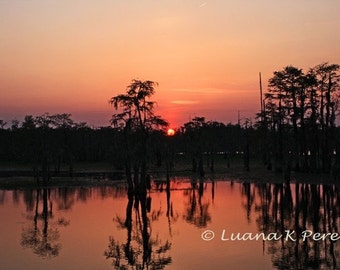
(194, 225)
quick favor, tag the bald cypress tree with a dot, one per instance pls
(136, 118)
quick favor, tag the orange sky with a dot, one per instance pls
(72, 56)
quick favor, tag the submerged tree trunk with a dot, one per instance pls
(212, 162)
(45, 170)
(194, 165)
(129, 177)
(200, 166)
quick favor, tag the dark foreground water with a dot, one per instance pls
(195, 225)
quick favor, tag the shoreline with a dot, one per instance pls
(22, 179)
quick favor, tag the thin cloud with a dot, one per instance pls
(184, 102)
(202, 90)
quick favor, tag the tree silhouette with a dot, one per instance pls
(300, 114)
(327, 83)
(136, 119)
(195, 142)
(2, 124)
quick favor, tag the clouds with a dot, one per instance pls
(200, 90)
(192, 96)
(184, 102)
(203, 4)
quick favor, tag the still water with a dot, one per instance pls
(192, 225)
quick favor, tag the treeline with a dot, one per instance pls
(56, 141)
(56, 138)
(298, 119)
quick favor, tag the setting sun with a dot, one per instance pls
(170, 132)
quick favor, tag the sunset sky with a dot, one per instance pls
(71, 56)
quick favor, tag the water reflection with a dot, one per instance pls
(196, 207)
(162, 229)
(297, 208)
(41, 235)
(142, 249)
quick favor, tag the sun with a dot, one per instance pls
(170, 132)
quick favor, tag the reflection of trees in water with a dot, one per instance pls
(142, 249)
(65, 198)
(299, 207)
(42, 236)
(15, 196)
(196, 209)
(2, 196)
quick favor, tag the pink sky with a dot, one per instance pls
(72, 56)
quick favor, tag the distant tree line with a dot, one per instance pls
(54, 137)
(50, 143)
